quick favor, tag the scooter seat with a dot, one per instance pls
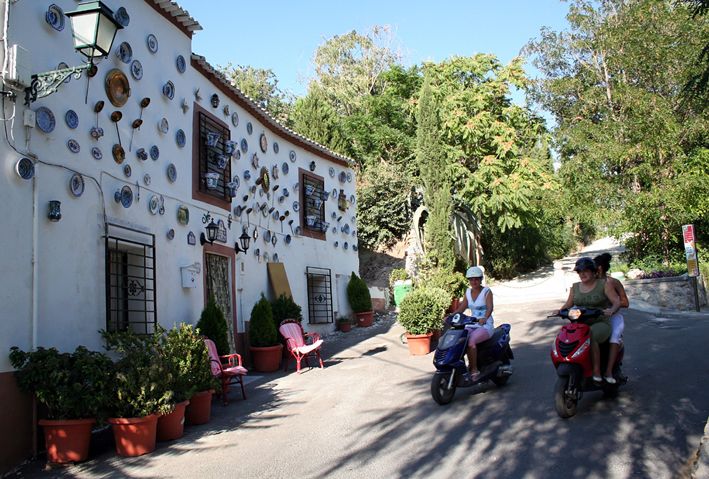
(492, 341)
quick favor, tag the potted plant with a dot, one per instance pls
(264, 346)
(144, 384)
(284, 308)
(188, 359)
(360, 301)
(75, 388)
(345, 324)
(420, 313)
(212, 324)
(453, 282)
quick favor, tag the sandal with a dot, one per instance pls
(475, 376)
(609, 379)
(597, 379)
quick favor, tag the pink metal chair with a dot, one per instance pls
(229, 373)
(295, 342)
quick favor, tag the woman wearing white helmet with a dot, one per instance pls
(479, 300)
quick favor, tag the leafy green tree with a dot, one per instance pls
(316, 119)
(633, 155)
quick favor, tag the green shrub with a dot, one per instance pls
(397, 275)
(213, 325)
(188, 359)
(422, 309)
(284, 308)
(358, 295)
(452, 282)
(262, 331)
(619, 266)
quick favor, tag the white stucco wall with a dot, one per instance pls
(71, 254)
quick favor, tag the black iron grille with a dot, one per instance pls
(567, 348)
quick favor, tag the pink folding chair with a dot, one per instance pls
(229, 373)
(295, 342)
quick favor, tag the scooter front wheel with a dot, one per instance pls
(440, 391)
(565, 406)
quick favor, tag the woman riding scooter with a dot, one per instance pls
(594, 293)
(603, 262)
(479, 300)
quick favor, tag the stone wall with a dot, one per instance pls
(675, 293)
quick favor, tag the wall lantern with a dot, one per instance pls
(212, 229)
(244, 239)
(93, 29)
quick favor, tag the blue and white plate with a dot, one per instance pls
(96, 153)
(247, 175)
(136, 69)
(171, 234)
(127, 170)
(72, 119)
(237, 181)
(76, 185)
(154, 205)
(181, 138)
(126, 196)
(296, 206)
(73, 146)
(349, 177)
(163, 126)
(288, 239)
(122, 17)
(124, 52)
(181, 64)
(235, 119)
(237, 155)
(291, 156)
(345, 246)
(147, 180)
(332, 172)
(152, 43)
(275, 147)
(249, 128)
(172, 172)
(285, 168)
(343, 177)
(154, 152)
(237, 211)
(25, 168)
(297, 230)
(55, 17)
(45, 119)
(168, 90)
(244, 145)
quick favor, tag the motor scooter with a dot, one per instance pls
(494, 357)
(571, 355)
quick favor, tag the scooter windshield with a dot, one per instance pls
(451, 338)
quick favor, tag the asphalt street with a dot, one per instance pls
(369, 414)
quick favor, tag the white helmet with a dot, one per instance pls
(474, 272)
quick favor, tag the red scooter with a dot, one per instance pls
(571, 355)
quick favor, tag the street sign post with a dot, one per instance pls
(690, 250)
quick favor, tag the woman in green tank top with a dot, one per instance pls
(593, 293)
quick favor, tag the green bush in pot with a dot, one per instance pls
(262, 331)
(358, 295)
(213, 325)
(421, 310)
(188, 358)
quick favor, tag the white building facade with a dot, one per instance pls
(103, 207)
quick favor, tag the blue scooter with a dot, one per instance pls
(494, 357)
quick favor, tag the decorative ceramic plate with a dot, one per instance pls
(127, 170)
(244, 145)
(237, 211)
(136, 69)
(288, 239)
(119, 154)
(334, 215)
(237, 155)
(346, 229)
(291, 156)
(345, 246)
(265, 256)
(171, 234)
(267, 236)
(163, 126)
(168, 89)
(152, 43)
(334, 230)
(296, 206)
(181, 65)
(55, 17)
(352, 199)
(247, 175)
(274, 240)
(124, 52)
(296, 187)
(162, 205)
(73, 146)
(76, 185)
(122, 17)
(334, 194)
(237, 181)
(117, 87)
(181, 138)
(343, 177)
(349, 177)
(126, 196)
(183, 215)
(171, 172)
(275, 255)
(275, 147)
(147, 180)
(297, 230)
(154, 205)
(191, 239)
(45, 119)
(25, 168)
(254, 161)
(274, 172)
(332, 172)
(281, 199)
(142, 154)
(260, 192)
(235, 119)
(264, 142)
(72, 119)
(286, 193)
(335, 244)
(64, 66)
(249, 128)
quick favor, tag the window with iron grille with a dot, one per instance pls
(130, 281)
(312, 188)
(319, 295)
(209, 156)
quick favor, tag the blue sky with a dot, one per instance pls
(283, 35)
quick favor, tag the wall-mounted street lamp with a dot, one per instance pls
(93, 29)
(212, 229)
(244, 239)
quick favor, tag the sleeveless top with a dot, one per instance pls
(594, 299)
(478, 309)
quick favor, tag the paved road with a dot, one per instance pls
(369, 414)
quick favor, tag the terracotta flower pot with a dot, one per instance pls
(344, 327)
(67, 441)
(199, 409)
(364, 320)
(134, 436)
(419, 344)
(454, 305)
(171, 426)
(266, 359)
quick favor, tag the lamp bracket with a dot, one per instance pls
(44, 84)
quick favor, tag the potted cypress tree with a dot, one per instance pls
(212, 324)
(284, 308)
(265, 348)
(360, 301)
(420, 314)
(75, 387)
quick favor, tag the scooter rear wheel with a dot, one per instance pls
(565, 407)
(439, 388)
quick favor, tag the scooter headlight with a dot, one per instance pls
(553, 350)
(575, 314)
(581, 349)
